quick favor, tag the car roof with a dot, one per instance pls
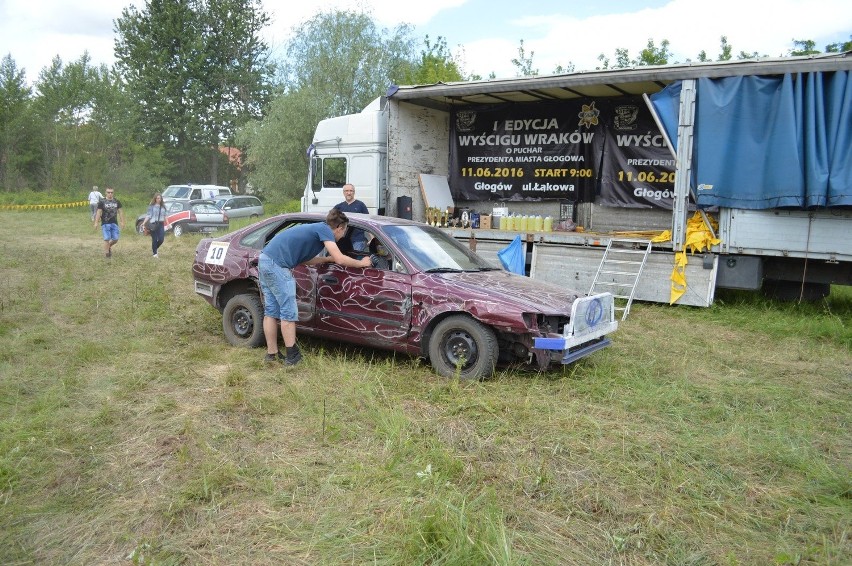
(373, 219)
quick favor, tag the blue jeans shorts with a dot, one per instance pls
(110, 231)
(279, 290)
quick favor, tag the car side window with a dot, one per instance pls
(258, 238)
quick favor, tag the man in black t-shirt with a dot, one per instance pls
(351, 204)
(110, 215)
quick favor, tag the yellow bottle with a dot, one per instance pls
(504, 220)
(538, 223)
(548, 224)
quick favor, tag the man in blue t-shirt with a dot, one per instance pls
(291, 247)
(351, 204)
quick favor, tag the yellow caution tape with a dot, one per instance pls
(43, 206)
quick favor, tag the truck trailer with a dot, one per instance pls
(758, 152)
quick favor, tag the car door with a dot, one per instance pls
(363, 305)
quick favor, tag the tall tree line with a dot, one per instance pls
(194, 76)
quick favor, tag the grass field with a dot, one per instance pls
(131, 433)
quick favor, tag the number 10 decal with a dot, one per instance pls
(216, 253)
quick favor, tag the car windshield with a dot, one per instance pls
(176, 192)
(434, 251)
(221, 202)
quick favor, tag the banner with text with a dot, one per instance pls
(525, 151)
(562, 150)
(637, 170)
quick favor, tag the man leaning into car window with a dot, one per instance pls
(289, 248)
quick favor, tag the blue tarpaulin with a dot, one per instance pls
(769, 141)
(513, 257)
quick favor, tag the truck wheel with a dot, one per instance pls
(242, 321)
(461, 344)
(178, 230)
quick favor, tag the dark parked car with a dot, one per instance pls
(426, 295)
(191, 216)
(243, 206)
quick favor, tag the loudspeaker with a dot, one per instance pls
(403, 208)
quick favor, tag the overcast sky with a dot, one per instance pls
(484, 33)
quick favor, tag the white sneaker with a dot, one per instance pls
(156, 256)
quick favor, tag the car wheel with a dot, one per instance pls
(461, 345)
(242, 321)
(178, 230)
(140, 228)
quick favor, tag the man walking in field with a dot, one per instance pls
(110, 215)
(94, 198)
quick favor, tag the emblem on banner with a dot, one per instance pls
(589, 116)
(626, 117)
(465, 120)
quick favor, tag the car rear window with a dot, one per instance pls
(205, 208)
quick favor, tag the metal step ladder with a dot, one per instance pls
(619, 271)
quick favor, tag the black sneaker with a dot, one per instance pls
(271, 358)
(293, 358)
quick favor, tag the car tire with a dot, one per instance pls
(242, 321)
(460, 338)
(178, 230)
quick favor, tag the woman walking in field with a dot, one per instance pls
(154, 220)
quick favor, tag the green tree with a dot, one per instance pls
(839, 46)
(524, 63)
(197, 70)
(234, 86)
(650, 55)
(346, 59)
(63, 104)
(436, 64)
(336, 64)
(18, 142)
(804, 47)
(724, 49)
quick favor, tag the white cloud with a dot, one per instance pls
(34, 31)
(765, 27)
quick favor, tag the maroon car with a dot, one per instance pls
(426, 295)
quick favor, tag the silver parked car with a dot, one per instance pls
(240, 206)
